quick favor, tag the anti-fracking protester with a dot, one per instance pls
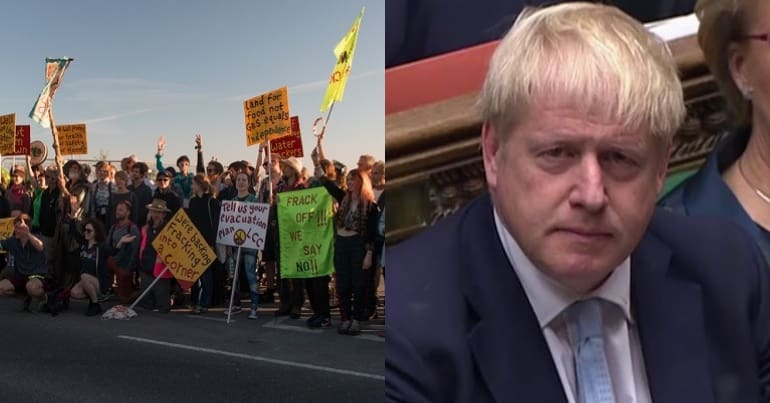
(233, 169)
(165, 192)
(101, 193)
(119, 194)
(249, 256)
(93, 264)
(318, 287)
(50, 212)
(366, 163)
(183, 179)
(127, 165)
(150, 264)
(204, 213)
(76, 198)
(123, 240)
(142, 192)
(30, 272)
(373, 282)
(214, 171)
(266, 192)
(38, 181)
(356, 232)
(291, 291)
(17, 193)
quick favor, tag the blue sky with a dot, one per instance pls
(176, 68)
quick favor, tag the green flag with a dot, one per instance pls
(306, 233)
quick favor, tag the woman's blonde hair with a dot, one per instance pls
(721, 24)
(591, 55)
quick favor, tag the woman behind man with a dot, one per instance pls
(733, 182)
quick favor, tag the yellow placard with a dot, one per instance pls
(183, 249)
(267, 116)
(7, 133)
(6, 227)
(72, 139)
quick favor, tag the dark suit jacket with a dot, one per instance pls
(460, 327)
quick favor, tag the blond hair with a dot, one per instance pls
(591, 55)
(721, 24)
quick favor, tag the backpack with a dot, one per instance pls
(58, 301)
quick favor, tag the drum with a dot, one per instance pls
(38, 152)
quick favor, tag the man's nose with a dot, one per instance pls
(589, 192)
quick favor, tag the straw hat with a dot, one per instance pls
(158, 205)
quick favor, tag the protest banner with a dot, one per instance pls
(22, 146)
(243, 224)
(54, 71)
(73, 139)
(183, 249)
(291, 145)
(343, 52)
(6, 227)
(267, 116)
(306, 233)
(7, 133)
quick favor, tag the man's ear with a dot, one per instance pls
(490, 146)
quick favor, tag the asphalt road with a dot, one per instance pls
(178, 357)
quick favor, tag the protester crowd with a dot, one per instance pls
(93, 239)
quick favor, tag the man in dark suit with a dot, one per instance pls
(564, 284)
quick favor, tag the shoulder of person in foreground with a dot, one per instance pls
(734, 281)
(428, 313)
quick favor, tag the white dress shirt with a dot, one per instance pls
(621, 339)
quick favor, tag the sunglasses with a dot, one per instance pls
(88, 230)
(210, 170)
(163, 180)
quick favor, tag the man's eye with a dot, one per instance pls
(620, 158)
(556, 153)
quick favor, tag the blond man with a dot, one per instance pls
(564, 283)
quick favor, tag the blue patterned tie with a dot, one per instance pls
(593, 376)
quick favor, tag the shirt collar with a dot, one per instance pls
(548, 298)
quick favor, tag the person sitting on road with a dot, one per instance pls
(93, 264)
(30, 273)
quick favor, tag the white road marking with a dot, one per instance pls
(209, 318)
(256, 358)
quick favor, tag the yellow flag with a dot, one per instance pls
(344, 52)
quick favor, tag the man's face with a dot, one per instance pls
(136, 175)
(363, 164)
(576, 192)
(183, 166)
(121, 212)
(20, 228)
